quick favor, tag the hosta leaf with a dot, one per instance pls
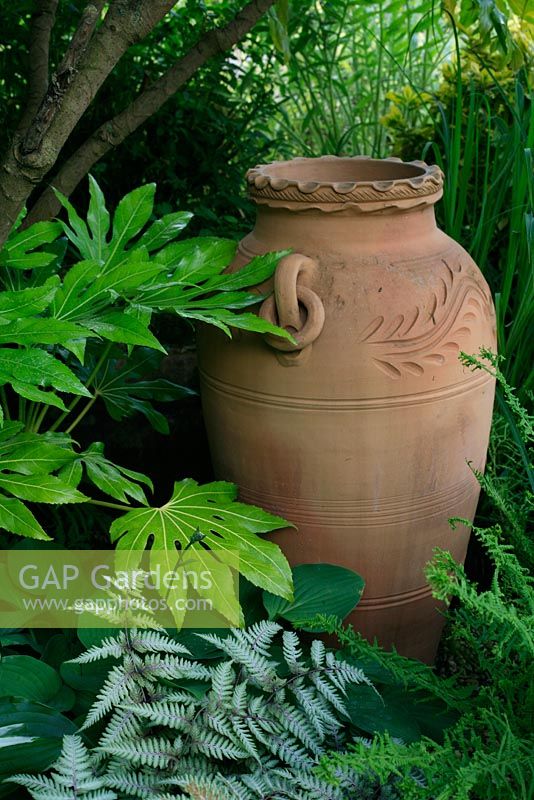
(227, 525)
(45, 726)
(29, 678)
(26, 302)
(318, 589)
(117, 326)
(41, 489)
(98, 220)
(40, 330)
(39, 369)
(131, 215)
(16, 518)
(164, 230)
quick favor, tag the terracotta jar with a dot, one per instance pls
(362, 432)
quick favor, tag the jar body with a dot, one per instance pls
(365, 440)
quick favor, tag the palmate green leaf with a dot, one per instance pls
(77, 279)
(34, 453)
(9, 429)
(258, 270)
(117, 326)
(131, 215)
(125, 391)
(21, 249)
(36, 395)
(226, 525)
(26, 302)
(114, 480)
(38, 368)
(77, 230)
(41, 330)
(90, 288)
(164, 230)
(195, 260)
(98, 220)
(41, 488)
(226, 320)
(16, 518)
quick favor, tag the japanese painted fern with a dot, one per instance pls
(252, 724)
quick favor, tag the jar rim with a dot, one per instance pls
(335, 182)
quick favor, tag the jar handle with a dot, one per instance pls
(284, 307)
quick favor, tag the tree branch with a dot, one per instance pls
(114, 131)
(89, 60)
(42, 22)
(60, 81)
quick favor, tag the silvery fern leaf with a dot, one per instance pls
(171, 715)
(118, 686)
(293, 653)
(74, 776)
(156, 752)
(110, 647)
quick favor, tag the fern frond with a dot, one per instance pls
(110, 647)
(118, 685)
(155, 642)
(73, 776)
(293, 653)
(216, 745)
(156, 752)
(171, 715)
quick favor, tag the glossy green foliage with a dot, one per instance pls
(76, 332)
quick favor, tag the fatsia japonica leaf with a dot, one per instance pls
(98, 220)
(164, 230)
(34, 453)
(38, 368)
(118, 326)
(114, 480)
(258, 270)
(26, 302)
(41, 330)
(131, 216)
(226, 320)
(36, 395)
(125, 389)
(15, 517)
(22, 248)
(40, 488)
(224, 523)
(194, 260)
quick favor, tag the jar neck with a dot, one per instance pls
(314, 230)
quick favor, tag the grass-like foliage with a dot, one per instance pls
(252, 724)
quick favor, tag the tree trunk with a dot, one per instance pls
(87, 63)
